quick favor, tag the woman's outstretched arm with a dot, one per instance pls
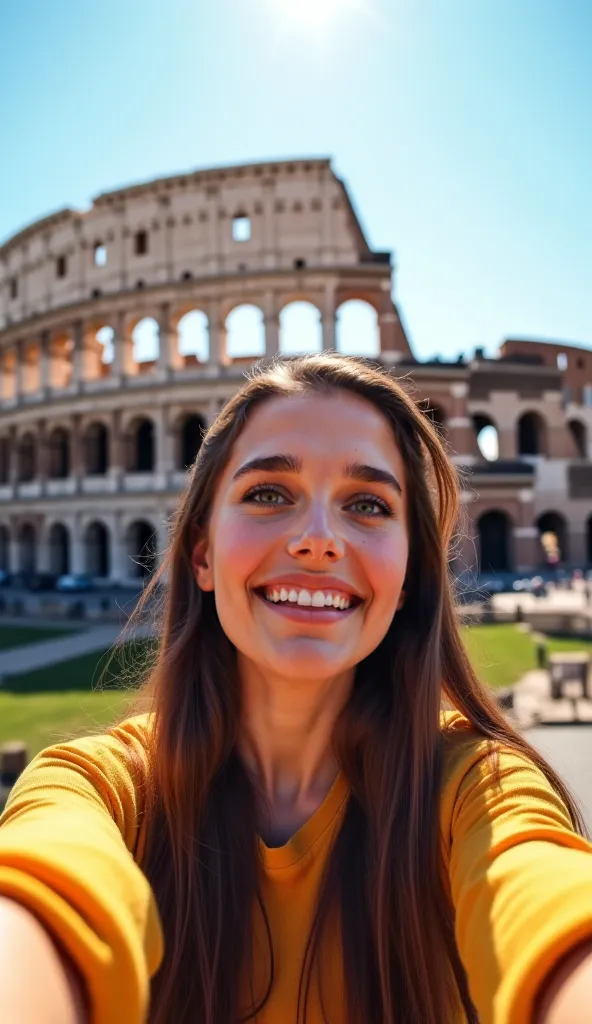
(38, 983)
(566, 996)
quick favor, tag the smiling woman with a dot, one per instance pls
(324, 814)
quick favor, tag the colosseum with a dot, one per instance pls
(124, 329)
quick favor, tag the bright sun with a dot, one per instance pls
(316, 14)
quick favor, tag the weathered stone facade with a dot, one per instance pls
(93, 449)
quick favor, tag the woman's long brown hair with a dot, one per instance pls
(384, 874)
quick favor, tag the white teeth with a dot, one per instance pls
(306, 599)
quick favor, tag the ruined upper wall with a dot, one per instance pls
(229, 221)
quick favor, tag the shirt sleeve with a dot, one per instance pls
(69, 839)
(520, 879)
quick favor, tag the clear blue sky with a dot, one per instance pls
(463, 129)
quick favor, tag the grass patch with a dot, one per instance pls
(86, 694)
(18, 636)
(499, 653)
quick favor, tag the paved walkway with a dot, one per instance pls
(29, 657)
(533, 704)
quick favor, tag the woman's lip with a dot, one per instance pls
(311, 583)
(305, 613)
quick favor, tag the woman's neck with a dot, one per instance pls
(286, 740)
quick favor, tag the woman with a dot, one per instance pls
(299, 831)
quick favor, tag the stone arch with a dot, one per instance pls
(59, 453)
(95, 448)
(553, 538)
(141, 446)
(301, 328)
(579, 436)
(531, 434)
(245, 332)
(27, 548)
(140, 539)
(494, 535)
(191, 430)
(4, 548)
(145, 340)
(486, 436)
(27, 457)
(357, 330)
(59, 549)
(97, 554)
(193, 335)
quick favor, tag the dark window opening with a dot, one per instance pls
(140, 284)
(13, 287)
(299, 264)
(141, 243)
(494, 542)
(192, 433)
(96, 293)
(61, 266)
(186, 275)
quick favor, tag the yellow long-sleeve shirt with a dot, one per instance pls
(520, 878)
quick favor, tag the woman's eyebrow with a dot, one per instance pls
(290, 464)
(372, 475)
(270, 464)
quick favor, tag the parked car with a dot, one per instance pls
(75, 583)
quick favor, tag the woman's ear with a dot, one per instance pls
(201, 565)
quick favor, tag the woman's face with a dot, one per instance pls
(307, 545)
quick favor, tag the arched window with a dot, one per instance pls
(300, 329)
(190, 439)
(357, 332)
(245, 332)
(141, 548)
(494, 542)
(27, 549)
(194, 335)
(577, 430)
(4, 460)
(145, 337)
(106, 337)
(59, 454)
(142, 447)
(532, 438)
(487, 437)
(553, 538)
(96, 449)
(27, 461)
(96, 549)
(59, 550)
(4, 548)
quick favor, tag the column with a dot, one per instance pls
(460, 425)
(43, 551)
(77, 552)
(164, 456)
(77, 464)
(44, 362)
(18, 370)
(119, 557)
(525, 535)
(272, 325)
(162, 537)
(117, 453)
(329, 316)
(77, 356)
(13, 549)
(123, 351)
(43, 454)
(168, 354)
(217, 336)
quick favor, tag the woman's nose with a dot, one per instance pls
(317, 537)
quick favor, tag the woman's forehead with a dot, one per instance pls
(337, 424)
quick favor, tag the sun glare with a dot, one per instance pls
(313, 15)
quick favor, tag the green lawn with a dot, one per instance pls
(84, 695)
(16, 636)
